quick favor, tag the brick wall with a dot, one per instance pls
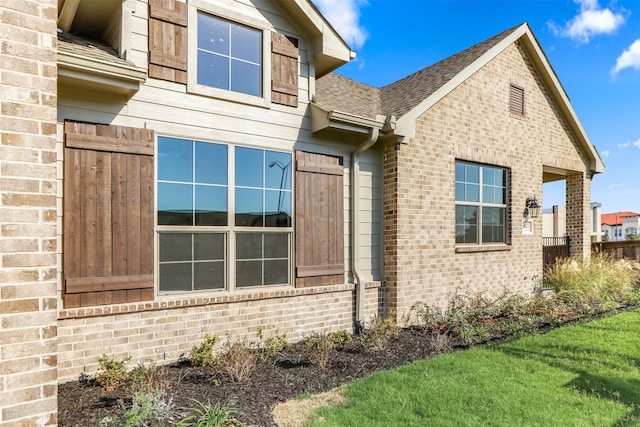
(162, 331)
(28, 336)
(473, 123)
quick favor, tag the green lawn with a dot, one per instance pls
(581, 375)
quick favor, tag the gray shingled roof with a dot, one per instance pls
(94, 49)
(335, 92)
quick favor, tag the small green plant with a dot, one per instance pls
(319, 347)
(380, 329)
(210, 415)
(340, 337)
(147, 408)
(238, 359)
(112, 373)
(203, 355)
(272, 344)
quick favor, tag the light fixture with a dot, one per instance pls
(532, 208)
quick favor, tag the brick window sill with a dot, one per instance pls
(482, 248)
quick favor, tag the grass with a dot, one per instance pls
(581, 375)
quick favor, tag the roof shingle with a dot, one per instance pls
(335, 92)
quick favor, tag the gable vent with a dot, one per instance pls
(516, 100)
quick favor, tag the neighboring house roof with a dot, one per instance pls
(616, 218)
(404, 101)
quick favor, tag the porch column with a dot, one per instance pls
(578, 214)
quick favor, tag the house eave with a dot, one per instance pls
(330, 50)
(322, 119)
(79, 71)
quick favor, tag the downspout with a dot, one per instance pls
(372, 138)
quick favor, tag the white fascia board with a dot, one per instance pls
(79, 63)
(540, 59)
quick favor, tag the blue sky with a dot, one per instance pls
(594, 47)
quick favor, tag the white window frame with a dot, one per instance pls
(201, 6)
(480, 205)
(230, 230)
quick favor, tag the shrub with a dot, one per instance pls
(210, 415)
(147, 408)
(273, 344)
(238, 359)
(146, 377)
(340, 338)
(112, 373)
(319, 348)
(380, 329)
(203, 355)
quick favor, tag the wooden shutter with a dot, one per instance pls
(168, 40)
(319, 228)
(516, 100)
(107, 214)
(284, 70)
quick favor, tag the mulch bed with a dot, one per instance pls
(277, 379)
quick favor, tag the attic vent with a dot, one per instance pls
(516, 100)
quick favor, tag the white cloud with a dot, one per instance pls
(591, 21)
(344, 16)
(637, 143)
(629, 58)
(605, 153)
(624, 145)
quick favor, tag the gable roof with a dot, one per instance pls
(407, 99)
(616, 218)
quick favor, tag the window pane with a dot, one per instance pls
(246, 43)
(276, 245)
(278, 170)
(175, 204)
(208, 275)
(466, 224)
(175, 247)
(175, 159)
(249, 207)
(249, 246)
(493, 225)
(211, 163)
(211, 205)
(213, 34)
(276, 272)
(460, 175)
(488, 194)
(472, 173)
(175, 277)
(248, 273)
(472, 193)
(213, 70)
(460, 196)
(488, 176)
(208, 246)
(277, 208)
(249, 167)
(245, 78)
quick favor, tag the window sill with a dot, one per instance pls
(482, 248)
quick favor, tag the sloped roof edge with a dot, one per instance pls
(405, 125)
(331, 51)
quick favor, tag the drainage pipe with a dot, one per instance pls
(372, 138)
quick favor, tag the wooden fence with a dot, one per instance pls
(629, 249)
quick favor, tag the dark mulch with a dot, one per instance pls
(275, 380)
(278, 379)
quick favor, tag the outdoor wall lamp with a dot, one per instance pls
(532, 208)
